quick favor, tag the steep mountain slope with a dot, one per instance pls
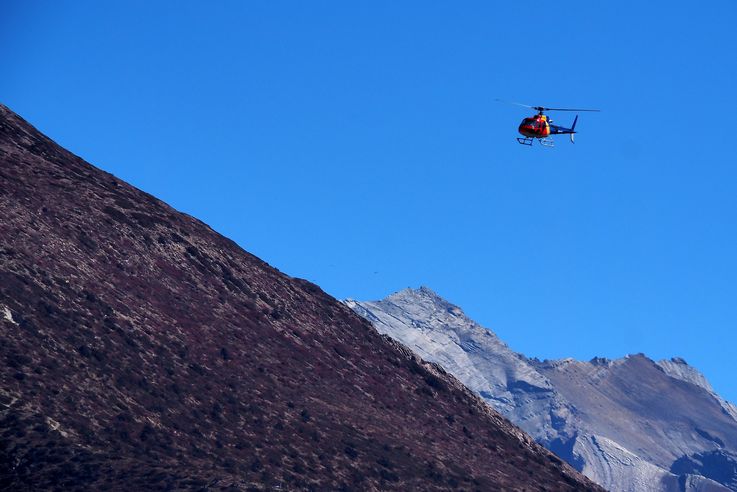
(633, 399)
(679, 369)
(629, 424)
(140, 350)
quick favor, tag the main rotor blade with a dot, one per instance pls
(542, 108)
(516, 103)
(568, 109)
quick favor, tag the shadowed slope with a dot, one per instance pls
(142, 350)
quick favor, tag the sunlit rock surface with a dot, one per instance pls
(630, 424)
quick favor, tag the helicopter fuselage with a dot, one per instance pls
(537, 126)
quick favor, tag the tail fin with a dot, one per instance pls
(573, 128)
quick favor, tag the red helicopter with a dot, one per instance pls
(540, 127)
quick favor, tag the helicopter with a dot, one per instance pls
(540, 126)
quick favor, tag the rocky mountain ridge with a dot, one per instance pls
(629, 424)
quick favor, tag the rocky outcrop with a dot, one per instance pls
(679, 369)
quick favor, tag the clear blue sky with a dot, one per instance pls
(358, 144)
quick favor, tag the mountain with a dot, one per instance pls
(141, 350)
(631, 424)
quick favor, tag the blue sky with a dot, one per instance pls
(359, 145)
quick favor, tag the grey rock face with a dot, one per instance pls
(630, 424)
(679, 369)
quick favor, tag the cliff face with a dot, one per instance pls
(141, 350)
(630, 424)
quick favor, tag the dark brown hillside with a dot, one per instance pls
(141, 350)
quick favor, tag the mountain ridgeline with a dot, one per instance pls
(141, 350)
(631, 424)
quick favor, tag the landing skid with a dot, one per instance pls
(545, 142)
